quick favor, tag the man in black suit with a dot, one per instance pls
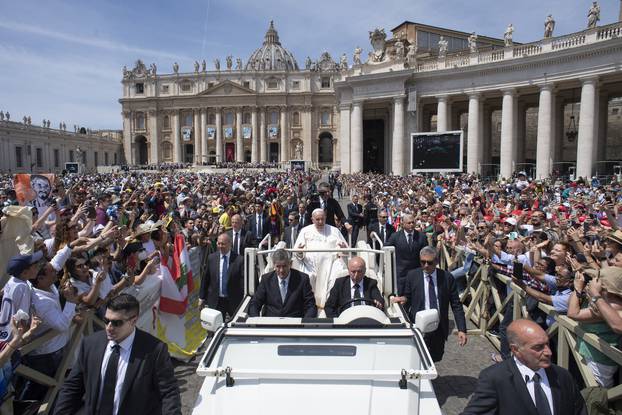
(528, 383)
(258, 224)
(222, 284)
(348, 288)
(407, 242)
(382, 228)
(121, 370)
(240, 238)
(429, 287)
(290, 206)
(326, 202)
(290, 234)
(355, 218)
(284, 292)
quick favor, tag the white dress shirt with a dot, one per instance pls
(47, 306)
(527, 373)
(426, 289)
(125, 349)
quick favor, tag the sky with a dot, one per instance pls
(63, 60)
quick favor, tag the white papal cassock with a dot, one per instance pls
(319, 265)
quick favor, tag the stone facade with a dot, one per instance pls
(33, 149)
(514, 102)
(264, 110)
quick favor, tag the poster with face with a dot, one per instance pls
(34, 190)
(211, 133)
(228, 132)
(246, 132)
(273, 132)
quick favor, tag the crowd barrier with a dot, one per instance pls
(482, 289)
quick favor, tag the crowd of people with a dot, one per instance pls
(100, 233)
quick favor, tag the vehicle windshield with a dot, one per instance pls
(316, 353)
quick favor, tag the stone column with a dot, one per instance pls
(442, 114)
(508, 129)
(284, 135)
(127, 138)
(176, 137)
(219, 157)
(603, 119)
(544, 141)
(239, 144)
(398, 136)
(263, 147)
(474, 135)
(196, 127)
(307, 140)
(344, 139)
(356, 142)
(153, 136)
(203, 158)
(587, 123)
(254, 138)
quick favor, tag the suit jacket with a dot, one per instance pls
(150, 386)
(288, 209)
(353, 210)
(210, 280)
(502, 390)
(247, 240)
(447, 293)
(406, 257)
(341, 293)
(251, 226)
(375, 227)
(331, 207)
(304, 220)
(287, 235)
(299, 300)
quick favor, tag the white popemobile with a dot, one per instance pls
(366, 361)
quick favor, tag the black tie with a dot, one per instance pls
(432, 293)
(542, 403)
(236, 242)
(357, 293)
(382, 233)
(106, 403)
(410, 239)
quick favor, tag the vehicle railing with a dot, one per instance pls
(302, 374)
(374, 235)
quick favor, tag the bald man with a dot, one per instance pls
(355, 285)
(527, 383)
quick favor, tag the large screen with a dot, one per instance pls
(436, 152)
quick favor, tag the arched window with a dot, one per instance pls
(211, 118)
(274, 117)
(140, 121)
(167, 121)
(167, 150)
(325, 118)
(325, 148)
(296, 118)
(246, 118)
(228, 118)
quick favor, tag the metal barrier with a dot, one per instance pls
(482, 286)
(84, 328)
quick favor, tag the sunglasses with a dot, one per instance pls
(116, 323)
(424, 262)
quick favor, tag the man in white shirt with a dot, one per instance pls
(527, 383)
(318, 265)
(135, 373)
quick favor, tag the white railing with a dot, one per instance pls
(458, 60)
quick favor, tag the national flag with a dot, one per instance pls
(176, 279)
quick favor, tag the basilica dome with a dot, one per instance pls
(271, 56)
